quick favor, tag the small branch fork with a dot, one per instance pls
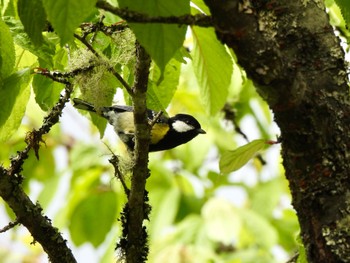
(114, 160)
(9, 226)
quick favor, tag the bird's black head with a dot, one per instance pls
(184, 123)
(183, 128)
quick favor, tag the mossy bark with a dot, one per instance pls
(291, 52)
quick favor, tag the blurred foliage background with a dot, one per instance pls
(198, 213)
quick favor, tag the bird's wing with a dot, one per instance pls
(117, 108)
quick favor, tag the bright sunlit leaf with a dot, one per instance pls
(233, 160)
(222, 221)
(93, 218)
(213, 68)
(66, 15)
(33, 17)
(14, 96)
(45, 52)
(344, 6)
(7, 51)
(160, 40)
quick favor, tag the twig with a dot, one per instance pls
(136, 17)
(87, 44)
(115, 73)
(156, 118)
(54, 75)
(230, 115)
(99, 25)
(9, 226)
(122, 81)
(34, 138)
(114, 160)
(29, 214)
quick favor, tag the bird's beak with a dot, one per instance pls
(201, 131)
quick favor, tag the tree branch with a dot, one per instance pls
(9, 226)
(114, 160)
(290, 51)
(136, 17)
(134, 240)
(28, 213)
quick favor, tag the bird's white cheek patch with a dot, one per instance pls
(181, 126)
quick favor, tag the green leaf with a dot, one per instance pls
(302, 258)
(202, 6)
(33, 17)
(66, 15)
(164, 213)
(93, 218)
(222, 221)
(160, 40)
(46, 51)
(7, 51)
(257, 230)
(40, 170)
(287, 227)
(83, 157)
(8, 8)
(49, 191)
(47, 91)
(231, 161)
(344, 6)
(14, 96)
(162, 87)
(213, 67)
(266, 196)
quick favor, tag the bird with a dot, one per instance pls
(166, 132)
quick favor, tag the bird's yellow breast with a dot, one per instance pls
(158, 132)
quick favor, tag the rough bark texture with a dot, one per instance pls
(30, 215)
(290, 51)
(137, 248)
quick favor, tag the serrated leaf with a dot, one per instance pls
(47, 91)
(14, 96)
(213, 68)
(231, 161)
(66, 15)
(344, 6)
(161, 90)
(46, 51)
(93, 218)
(33, 17)
(7, 51)
(160, 40)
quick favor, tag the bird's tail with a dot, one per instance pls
(83, 105)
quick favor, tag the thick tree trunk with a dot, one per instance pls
(290, 51)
